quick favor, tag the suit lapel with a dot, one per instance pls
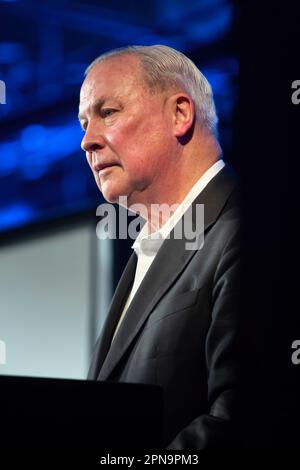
(114, 312)
(169, 263)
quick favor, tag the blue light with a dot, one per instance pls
(11, 52)
(33, 137)
(21, 73)
(212, 29)
(73, 186)
(15, 215)
(9, 158)
(218, 79)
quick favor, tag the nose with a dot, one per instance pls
(93, 139)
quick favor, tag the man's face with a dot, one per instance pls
(128, 138)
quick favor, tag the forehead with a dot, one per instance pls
(117, 77)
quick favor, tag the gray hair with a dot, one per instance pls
(163, 67)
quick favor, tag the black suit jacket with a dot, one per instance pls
(181, 328)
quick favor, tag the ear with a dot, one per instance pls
(183, 112)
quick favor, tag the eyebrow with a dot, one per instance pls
(98, 104)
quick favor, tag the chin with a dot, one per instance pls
(111, 195)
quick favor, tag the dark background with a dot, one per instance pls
(268, 146)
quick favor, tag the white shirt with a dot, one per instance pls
(146, 246)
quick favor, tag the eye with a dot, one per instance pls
(107, 112)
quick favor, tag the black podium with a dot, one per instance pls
(59, 413)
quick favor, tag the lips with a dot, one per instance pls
(102, 166)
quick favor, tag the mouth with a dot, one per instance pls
(102, 167)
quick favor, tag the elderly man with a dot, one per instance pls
(151, 137)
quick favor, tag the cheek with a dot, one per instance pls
(128, 142)
(139, 144)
